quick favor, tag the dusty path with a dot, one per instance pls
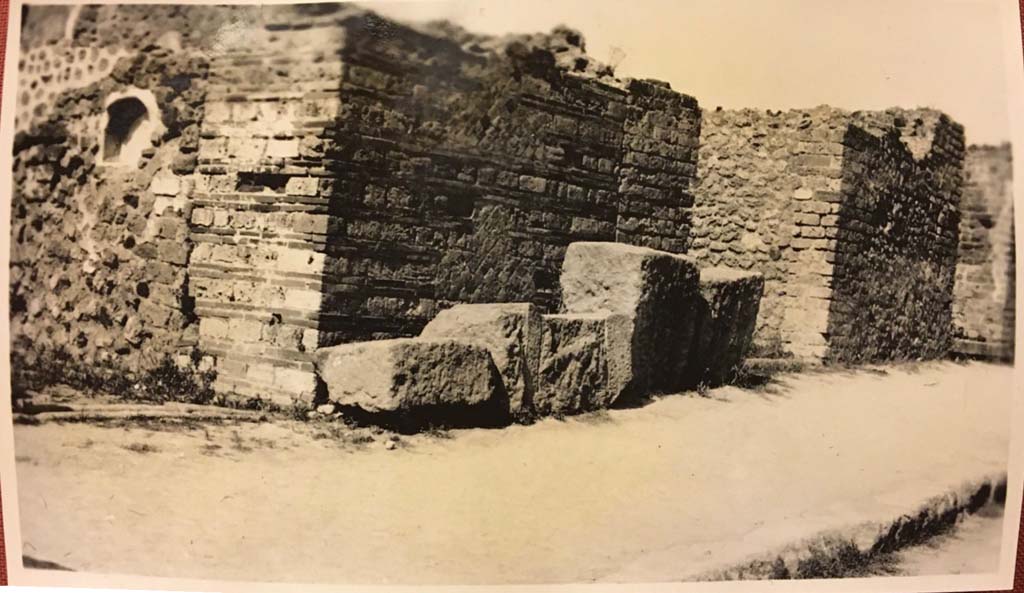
(678, 487)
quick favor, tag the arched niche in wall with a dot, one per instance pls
(130, 122)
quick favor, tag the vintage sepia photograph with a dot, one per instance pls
(467, 292)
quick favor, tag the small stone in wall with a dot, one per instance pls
(165, 184)
(302, 186)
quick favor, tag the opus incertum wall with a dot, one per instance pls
(107, 134)
(851, 217)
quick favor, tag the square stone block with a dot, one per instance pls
(653, 290)
(511, 332)
(573, 374)
(725, 317)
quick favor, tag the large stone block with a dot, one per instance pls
(585, 363)
(511, 332)
(652, 289)
(573, 374)
(725, 317)
(416, 378)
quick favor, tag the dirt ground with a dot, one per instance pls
(659, 493)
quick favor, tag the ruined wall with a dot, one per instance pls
(260, 207)
(767, 201)
(99, 248)
(851, 217)
(983, 304)
(898, 235)
(464, 170)
(316, 174)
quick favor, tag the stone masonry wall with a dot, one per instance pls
(831, 206)
(983, 303)
(768, 201)
(316, 174)
(98, 250)
(463, 170)
(898, 234)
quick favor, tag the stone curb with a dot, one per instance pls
(848, 548)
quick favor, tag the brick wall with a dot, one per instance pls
(260, 210)
(983, 304)
(832, 206)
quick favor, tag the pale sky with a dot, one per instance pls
(779, 54)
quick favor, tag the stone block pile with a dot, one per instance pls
(635, 322)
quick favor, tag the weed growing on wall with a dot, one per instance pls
(170, 381)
